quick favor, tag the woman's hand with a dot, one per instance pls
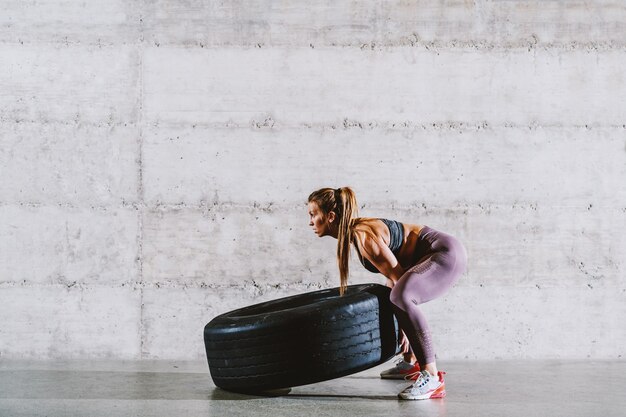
(404, 342)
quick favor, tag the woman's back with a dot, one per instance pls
(407, 253)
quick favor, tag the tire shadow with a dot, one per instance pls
(219, 394)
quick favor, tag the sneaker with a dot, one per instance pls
(400, 370)
(426, 386)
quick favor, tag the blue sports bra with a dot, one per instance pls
(396, 237)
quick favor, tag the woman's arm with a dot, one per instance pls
(379, 254)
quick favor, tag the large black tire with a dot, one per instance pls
(301, 339)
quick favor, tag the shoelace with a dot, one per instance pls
(418, 384)
(423, 380)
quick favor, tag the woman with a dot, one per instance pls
(420, 264)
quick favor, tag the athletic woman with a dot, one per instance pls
(420, 264)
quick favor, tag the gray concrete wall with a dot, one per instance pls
(156, 157)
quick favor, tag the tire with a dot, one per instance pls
(302, 339)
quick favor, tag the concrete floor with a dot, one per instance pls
(148, 388)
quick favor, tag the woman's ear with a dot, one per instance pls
(331, 217)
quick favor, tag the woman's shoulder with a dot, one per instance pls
(366, 229)
(366, 224)
(376, 228)
(366, 221)
(369, 222)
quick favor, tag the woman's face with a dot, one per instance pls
(318, 220)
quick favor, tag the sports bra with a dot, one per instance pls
(396, 237)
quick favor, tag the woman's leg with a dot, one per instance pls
(428, 279)
(413, 322)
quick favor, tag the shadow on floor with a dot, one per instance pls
(221, 395)
(218, 394)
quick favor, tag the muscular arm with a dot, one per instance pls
(379, 254)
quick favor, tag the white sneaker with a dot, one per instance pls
(426, 386)
(401, 370)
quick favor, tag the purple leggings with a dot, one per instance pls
(443, 261)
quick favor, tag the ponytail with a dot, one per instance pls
(348, 211)
(341, 201)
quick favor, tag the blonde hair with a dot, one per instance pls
(341, 201)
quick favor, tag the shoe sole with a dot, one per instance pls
(438, 393)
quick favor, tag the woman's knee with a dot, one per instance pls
(401, 299)
(394, 296)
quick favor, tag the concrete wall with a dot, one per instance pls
(156, 157)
